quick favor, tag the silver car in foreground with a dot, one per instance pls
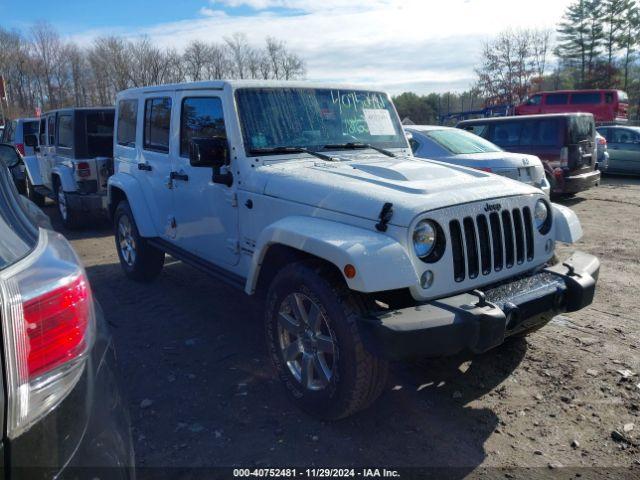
(452, 145)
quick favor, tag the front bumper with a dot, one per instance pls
(481, 320)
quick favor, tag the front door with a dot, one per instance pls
(154, 164)
(624, 150)
(206, 212)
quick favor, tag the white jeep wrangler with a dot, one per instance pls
(73, 160)
(310, 193)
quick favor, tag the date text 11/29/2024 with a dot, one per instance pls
(315, 473)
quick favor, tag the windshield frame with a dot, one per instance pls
(401, 144)
(463, 133)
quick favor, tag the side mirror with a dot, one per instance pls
(9, 155)
(209, 152)
(31, 140)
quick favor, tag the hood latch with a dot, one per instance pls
(385, 217)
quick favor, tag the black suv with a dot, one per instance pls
(62, 410)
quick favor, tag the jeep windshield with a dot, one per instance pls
(273, 119)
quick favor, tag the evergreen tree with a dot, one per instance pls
(581, 37)
(628, 39)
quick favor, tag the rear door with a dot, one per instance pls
(154, 164)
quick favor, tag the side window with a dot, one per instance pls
(201, 117)
(127, 120)
(506, 134)
(621, 135)
(482, 130)
(51, 130)
(608, 97)
(535, 100)
(557, 99)
(585, 98)
(539, 133)
(65, 131)
(157, 124)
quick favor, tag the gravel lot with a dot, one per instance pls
(202, 392)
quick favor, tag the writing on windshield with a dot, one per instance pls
(312, 118)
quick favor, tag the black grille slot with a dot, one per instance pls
(496, 239)
(485, 245)
(519, 232)
(507, 228)
(528, 232)
(472, 247)
(457, 250)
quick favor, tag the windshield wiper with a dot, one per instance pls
(283, 149)
(357, 145)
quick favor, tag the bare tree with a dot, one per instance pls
(195, 59)
(239, 51)
(511, 63)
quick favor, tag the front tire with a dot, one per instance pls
(314, 342)
(139, 260)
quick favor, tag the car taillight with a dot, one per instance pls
(484, 169)
(20, 147)
(48, 327)
(602, 141)
(83, 169)
(564, 157)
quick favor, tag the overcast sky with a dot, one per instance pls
(398, 45)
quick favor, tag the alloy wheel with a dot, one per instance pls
(306, 341)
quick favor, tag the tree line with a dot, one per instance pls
(44, 71)
(596, 45)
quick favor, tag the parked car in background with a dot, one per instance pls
(62, 408)
(605, 105)
(18, 130)
(452, 145)
(309, 195)
(624, 149)
(13, 160)
(74, 159)
(602, 157)
(564, 142)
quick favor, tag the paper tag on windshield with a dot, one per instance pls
(379, 121)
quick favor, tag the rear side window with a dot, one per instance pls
(65, 131)
(557, 99)
(51, 129)
(100, 134)
(539, 133)
(506, 134)
(200, 118)
(587, 98)
(30, 128)
(619, 135)
(157, 121)
(127, 120)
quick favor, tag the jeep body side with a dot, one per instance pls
(74, 159)
(310, 195)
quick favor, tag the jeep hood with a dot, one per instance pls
(360, 185)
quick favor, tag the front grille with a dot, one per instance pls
(491, 242)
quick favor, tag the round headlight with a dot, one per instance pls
(424, 238)
(541, 214)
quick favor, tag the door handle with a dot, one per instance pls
(179, 176)
(145, 166)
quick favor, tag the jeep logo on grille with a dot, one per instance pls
(492, 207)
